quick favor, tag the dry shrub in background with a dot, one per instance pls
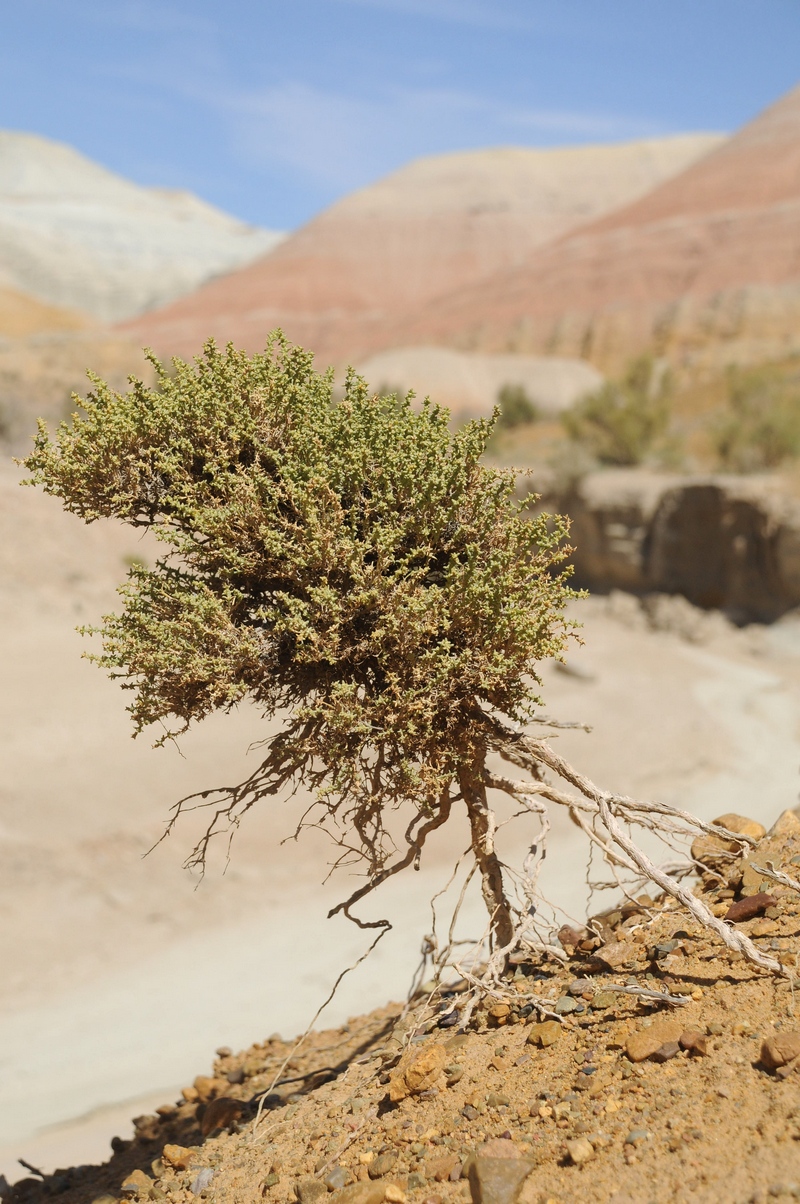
(625, 422)
(760, 428)
(356, 571)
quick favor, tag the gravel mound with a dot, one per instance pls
(658, 1067)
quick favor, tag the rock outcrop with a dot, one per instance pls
(75, 235)
(704, 266)
(726, 543)
(340, 284)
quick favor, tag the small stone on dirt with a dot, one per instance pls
(749, 907)
(439, 1168)
(395, 1194)
(135, 1182)
(741, 824)
(207, 1088)
(780, 1049)
(418, 1072)
(616, 954)
(544, 1034)
(497, 1180)
(363, 1193)
(665, 1052)
(694, 1042)
(787, 824)
(500, 1012)
(179, 1157)
(580, 1150)
(339, 1177)
(381, 1165)
(201, 1181)
(644, 1043)
(310, 1191)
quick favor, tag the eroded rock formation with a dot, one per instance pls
(727, 543)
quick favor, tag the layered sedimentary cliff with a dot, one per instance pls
(705, 265)
(340, 284)
(729, 543)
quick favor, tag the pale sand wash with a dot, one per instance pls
(120, 977)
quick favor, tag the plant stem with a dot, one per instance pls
(481, 831)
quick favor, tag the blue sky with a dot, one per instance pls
(274, 108)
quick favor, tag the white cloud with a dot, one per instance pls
(342, 142)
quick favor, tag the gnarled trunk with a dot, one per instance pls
(474, 792)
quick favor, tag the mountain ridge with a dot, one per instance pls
(337, 284)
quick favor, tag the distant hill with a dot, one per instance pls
(440, 224)
(706, 264)
(75, 235)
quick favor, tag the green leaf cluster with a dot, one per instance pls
(352, 568)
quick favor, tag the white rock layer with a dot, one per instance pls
(75, 234)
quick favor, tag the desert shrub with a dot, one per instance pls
(515, 407)
(351, 567)
(760, 427)
(622, 422)
(356, 571)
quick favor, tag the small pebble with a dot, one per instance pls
(580, 1150)
(203, 1178)
(340, 1176)
(694, 1042)
(749, 907)
(546, 1033)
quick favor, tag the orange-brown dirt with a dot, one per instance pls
(338, 285)
(710, 255)
(609, 1096)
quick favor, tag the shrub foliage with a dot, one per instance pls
(352, 568)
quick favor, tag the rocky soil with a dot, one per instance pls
(650, 1064)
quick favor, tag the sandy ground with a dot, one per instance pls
(105, 953)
